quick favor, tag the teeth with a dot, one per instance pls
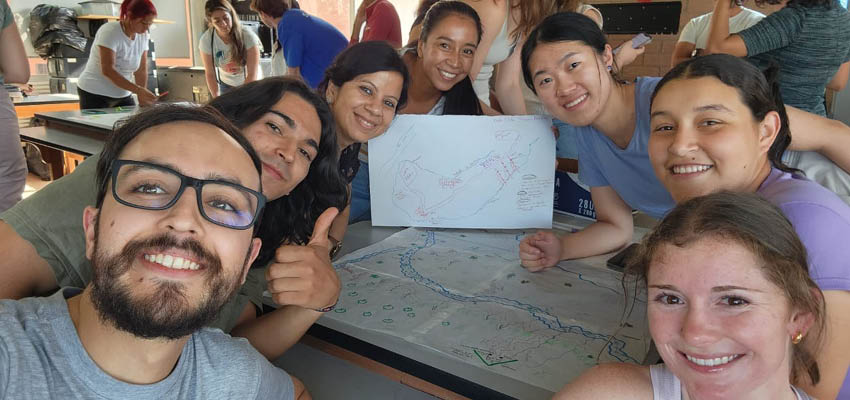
(576, 101)
(711, 362)
(447, 75)
(367, 123)
(169, 261)
(690, 169)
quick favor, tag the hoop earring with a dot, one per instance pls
(797, 339)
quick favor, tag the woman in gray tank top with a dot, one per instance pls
(731, 307)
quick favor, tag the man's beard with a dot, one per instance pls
(167, 312)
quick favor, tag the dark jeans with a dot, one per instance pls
(361, 206)
(224, 88)
(90, 100)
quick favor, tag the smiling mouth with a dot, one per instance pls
(576, 102)
(712, 362)
(689, 169)
(447, 75)
(172, 262)
(365, 123)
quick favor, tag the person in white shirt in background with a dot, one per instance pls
(231, 56)
(693, 36)
(117, 66)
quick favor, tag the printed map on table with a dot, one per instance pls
(463, 172)
(105, 121)
(463, 293)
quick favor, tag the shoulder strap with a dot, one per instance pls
(212, 51)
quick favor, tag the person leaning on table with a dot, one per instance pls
(117, 66)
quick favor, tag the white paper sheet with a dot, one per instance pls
(463, 172)
(463, 293)
(105, 121)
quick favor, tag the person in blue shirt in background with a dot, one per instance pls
(309, 43)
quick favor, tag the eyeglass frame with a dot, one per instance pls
(186, 181)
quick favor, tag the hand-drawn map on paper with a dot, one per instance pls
(463, 293)
(463, 172)
(105, 121)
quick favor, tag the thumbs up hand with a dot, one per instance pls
(303, 275)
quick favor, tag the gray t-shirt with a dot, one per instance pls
(808, 44)
(41, 357)
(52, 221)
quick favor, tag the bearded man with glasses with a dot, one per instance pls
(170, 241)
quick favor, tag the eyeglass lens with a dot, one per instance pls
(150, 187)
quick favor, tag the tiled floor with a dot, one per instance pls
(34, 183)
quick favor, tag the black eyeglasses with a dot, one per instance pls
(150, 186)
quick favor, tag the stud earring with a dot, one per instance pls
(610, 68)
(797, 339)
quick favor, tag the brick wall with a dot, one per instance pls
(656, 60)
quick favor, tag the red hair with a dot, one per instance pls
(133, 9)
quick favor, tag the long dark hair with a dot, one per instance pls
(760, 227)
(366, 58)
(236, 37)
(290, 219)
(758, 91)
(563, 27)
(461, 98)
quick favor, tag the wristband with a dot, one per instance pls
(336, 245)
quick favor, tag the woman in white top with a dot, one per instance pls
(731, 308)
(117, 66)
(506, 24)
(230, 52)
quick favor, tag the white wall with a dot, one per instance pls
(171, 39)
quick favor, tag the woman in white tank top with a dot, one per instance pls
(506, 23)
(731, 307)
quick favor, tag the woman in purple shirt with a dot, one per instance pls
(718, 124)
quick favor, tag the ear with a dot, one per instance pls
(90, 227)
(768, 130)
(802, 321)
(331, 92)
(420, 48)
(608, 56)
(256, 243)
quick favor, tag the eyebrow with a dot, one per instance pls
(727, 288)
(713, 107)
(723, 288)
(376, 86)
(210, 176)
(560, 61)
(448, 39)
(292, 125)
(708, 107)
(311, 142)
(289, 121)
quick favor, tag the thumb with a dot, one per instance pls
(323, 226)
